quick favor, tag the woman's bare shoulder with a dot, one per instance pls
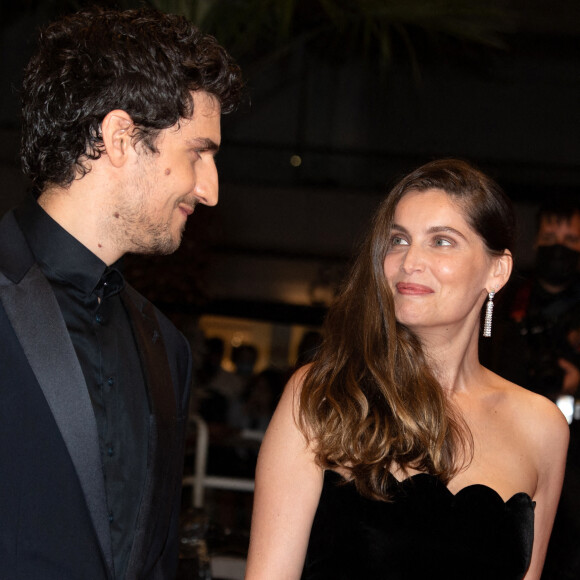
(297, 378)
(534, 414)
(286, 417)
(293, 389)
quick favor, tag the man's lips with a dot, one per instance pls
(413, 289)
(186, 208)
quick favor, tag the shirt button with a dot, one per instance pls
(111, 381)
(111, 518)
(110, 451)
(99, 318)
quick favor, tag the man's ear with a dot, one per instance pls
(116, 131)
(501, 271)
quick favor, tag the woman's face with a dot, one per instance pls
(437, 266)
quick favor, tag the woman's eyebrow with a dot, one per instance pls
(445, 230)
(431, 230)
(399, 228)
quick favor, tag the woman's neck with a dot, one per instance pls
(453, 357)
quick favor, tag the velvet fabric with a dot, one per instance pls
(424, 532)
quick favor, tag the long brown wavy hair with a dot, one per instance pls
(370, 403)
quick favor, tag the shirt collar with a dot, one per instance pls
(61, 256)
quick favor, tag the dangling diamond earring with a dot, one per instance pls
(488, 315)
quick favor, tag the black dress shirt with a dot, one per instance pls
(90, 298)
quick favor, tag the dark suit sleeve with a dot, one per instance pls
(181, 367)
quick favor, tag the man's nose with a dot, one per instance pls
(207, 184)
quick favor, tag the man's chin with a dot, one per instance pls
(159, 248)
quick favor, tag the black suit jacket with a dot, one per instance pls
(53, 514)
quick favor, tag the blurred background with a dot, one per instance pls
(344, 97)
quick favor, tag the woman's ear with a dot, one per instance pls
(501, 271)
(116, 131)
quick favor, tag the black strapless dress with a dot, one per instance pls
(425, 532)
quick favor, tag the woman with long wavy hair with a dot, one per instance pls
(395, 454)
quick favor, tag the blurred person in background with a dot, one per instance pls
(536, 347)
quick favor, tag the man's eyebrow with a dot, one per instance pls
(204, 143)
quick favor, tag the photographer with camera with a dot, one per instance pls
(538, 349)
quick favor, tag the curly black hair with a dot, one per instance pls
(92, 62)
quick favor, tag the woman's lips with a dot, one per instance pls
(413, 289)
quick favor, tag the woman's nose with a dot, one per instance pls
(412, 260)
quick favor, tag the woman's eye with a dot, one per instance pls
(398, 241)
(442, 242)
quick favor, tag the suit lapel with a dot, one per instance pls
(162, 404)
(53, 360)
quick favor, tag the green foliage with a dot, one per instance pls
(260, 31)
(254, 29)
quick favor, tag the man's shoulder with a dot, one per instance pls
(15, 255)
(170, 332)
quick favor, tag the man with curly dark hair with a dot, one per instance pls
(121, 124)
